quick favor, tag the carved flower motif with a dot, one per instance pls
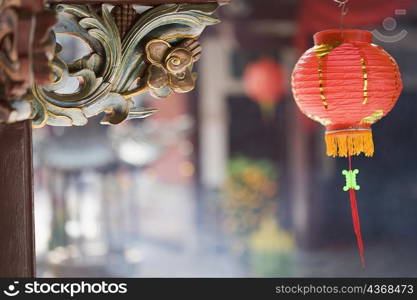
(170, 68)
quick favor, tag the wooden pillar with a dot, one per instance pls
(17, 251)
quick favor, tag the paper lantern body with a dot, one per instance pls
(347, 84)
(264, 81)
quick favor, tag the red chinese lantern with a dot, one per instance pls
(264, 83)
(346, 83)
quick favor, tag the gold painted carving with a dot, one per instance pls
(130, 54)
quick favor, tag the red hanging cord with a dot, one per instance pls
(355, 217)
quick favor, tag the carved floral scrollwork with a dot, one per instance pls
(26, 47)
(130, 54)
(171, 67)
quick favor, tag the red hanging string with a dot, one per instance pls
(355, 217)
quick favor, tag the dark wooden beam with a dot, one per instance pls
(17, 239)
(142, 2)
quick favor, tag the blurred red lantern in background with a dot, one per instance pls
(264, 82)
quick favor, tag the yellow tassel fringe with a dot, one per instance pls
(354, 142)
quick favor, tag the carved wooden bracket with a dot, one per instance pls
(131, 53)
